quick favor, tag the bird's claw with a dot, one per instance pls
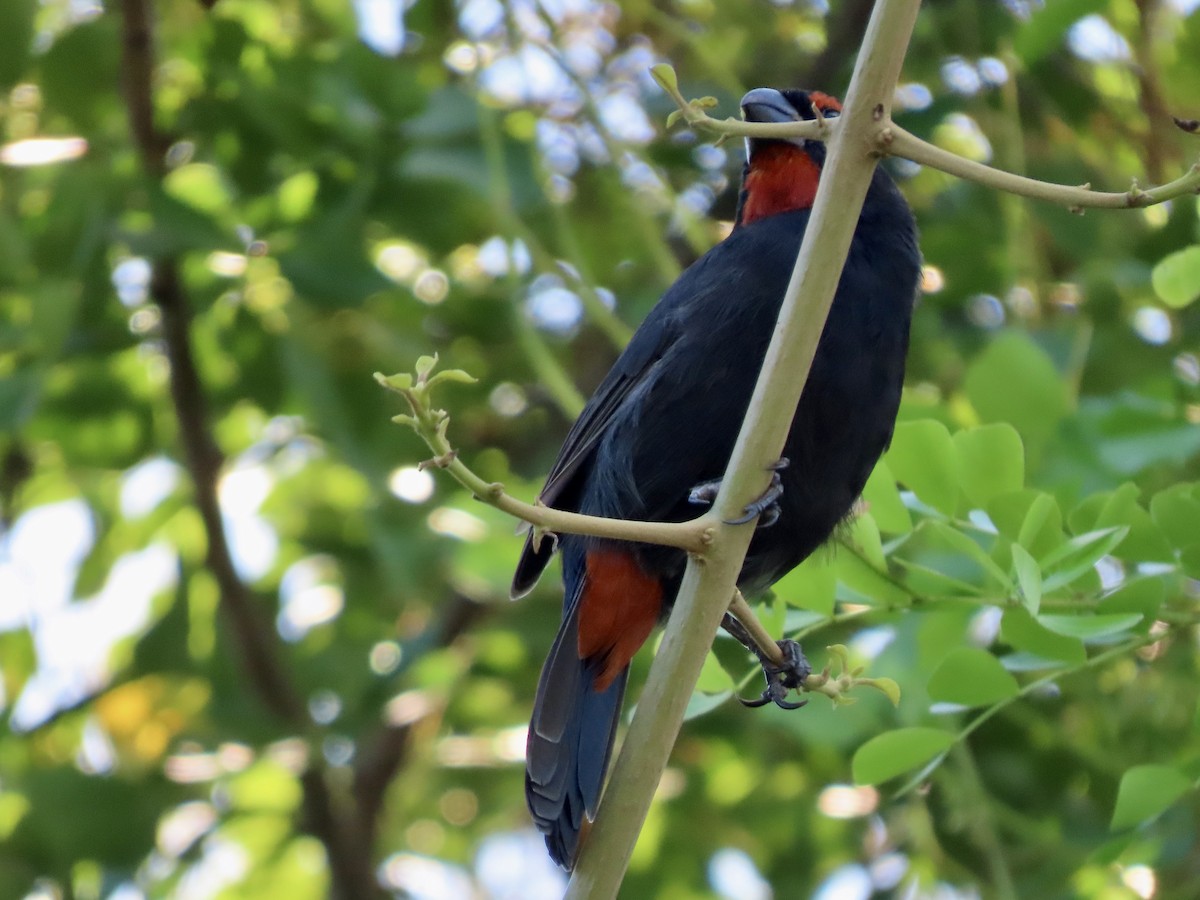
(767, 505)
(783, 678)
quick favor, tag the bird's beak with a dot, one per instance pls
(768, 105)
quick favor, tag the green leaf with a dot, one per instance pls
(1146, 792)
(665, 75)
(871, 585)
(1145, 541)
(1030, 518)
(266, 785)
(295, 196)
(1189, 558)
(1041, 528)
(926, 581)
(79, 69)
(1083, 517)
(1046, 28)
(1177, 512)
(1024, 632)
(991, 461)
(200, 186)
(1142, 595)
(1014, 381)
(1029, 578)
(896, 752)
(1176, 278)
(1090, 627)
(884, 503)
(961, 543)
(969, 676)
(16, 39)
(923, 459)
(811, 585)
(700, 703)
(1075, 557)
(179, 227)
(713, 677)
(864, 537)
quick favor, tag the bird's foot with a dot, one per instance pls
(783, 678)
(767, 505)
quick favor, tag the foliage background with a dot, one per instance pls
(313, 191)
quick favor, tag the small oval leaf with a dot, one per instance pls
(1146, 792)
(991, 461)
(923, 458)
(896, 752)
(1176, 278)
(969, 676)
(1090, 627)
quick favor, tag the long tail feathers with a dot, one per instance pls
(570, 740)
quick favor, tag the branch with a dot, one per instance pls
(692, 112)
(382, 753)
(889, 139)
(1033, 687)
(257, 648)
(202, 457)
(431, 425)
(898, 142)
(709, 582)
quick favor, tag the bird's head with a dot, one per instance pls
(781, 173)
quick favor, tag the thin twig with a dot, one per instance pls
(251, 632)
(890, 139)
(901, 143)
(1150, 94)
(1032, 687)
(430, 424)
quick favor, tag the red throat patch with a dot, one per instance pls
(619, 608)
(782, 177)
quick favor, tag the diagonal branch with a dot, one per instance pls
(255, 642)
(708, 584)
(349, 857)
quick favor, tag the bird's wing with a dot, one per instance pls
(632, 368)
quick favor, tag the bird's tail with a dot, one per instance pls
(571, 732)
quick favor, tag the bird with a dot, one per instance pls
(653, 441)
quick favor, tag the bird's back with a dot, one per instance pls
(678, 427)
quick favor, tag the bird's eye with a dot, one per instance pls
(829, 112)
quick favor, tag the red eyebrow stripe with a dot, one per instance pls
(825, 102)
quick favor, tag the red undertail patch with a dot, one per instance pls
(782, 177)
(619, 608)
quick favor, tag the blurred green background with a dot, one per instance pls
(307, 191)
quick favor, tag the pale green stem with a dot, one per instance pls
(1034, 686)
(708, 582)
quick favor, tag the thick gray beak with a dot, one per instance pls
(767, 105)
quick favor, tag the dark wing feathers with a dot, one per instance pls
(631, 368)
(571, 735)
